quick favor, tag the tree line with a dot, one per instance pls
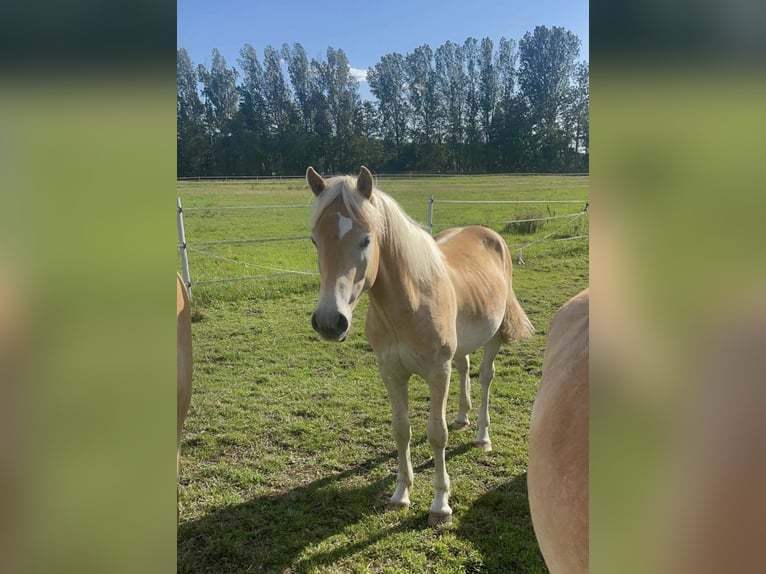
(462, 108)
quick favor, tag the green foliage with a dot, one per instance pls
(287, 457)
(457, 108)
(529, 220)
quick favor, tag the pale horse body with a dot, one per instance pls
(431, 301)
(557, 473)
(183, 361)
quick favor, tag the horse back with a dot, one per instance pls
(481, 272)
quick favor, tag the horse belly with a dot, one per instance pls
(473, 333)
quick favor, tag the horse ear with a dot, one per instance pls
(364, 182)
(316, 182)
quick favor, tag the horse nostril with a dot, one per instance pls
(342, 324)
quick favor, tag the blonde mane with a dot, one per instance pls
(397, 231)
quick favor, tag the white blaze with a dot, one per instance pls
(344, 225)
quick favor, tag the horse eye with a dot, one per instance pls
(365, 242)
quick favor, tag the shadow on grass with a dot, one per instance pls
(499, 525)
(268, 533)
(271, 533)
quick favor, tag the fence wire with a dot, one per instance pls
(278, 272)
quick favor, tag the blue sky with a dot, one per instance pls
(365, 31)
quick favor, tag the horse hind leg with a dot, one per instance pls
(462, 365)
(486, 374)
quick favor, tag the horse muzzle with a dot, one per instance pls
(330, 326)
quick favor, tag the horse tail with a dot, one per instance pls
(516, 325)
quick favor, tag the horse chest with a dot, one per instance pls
(410, 344)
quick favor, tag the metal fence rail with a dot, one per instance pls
(185, 246)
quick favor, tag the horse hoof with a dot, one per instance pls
(460, 425)
(439, 519)
(391, 506)
(485, 446)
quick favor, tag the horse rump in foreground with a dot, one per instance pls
(557, 474)
(431, 301)
(183, 361)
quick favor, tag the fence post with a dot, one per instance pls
(431, 214)
(182, 246)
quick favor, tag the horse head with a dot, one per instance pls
(347, 243)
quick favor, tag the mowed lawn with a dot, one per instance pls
(287, 456)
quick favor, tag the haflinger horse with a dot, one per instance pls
(183, 361)
(557, 473)
(431, 301)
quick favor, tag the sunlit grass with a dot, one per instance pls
(288, 458)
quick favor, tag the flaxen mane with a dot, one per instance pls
(407, 239)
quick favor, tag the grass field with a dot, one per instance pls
(287, 458)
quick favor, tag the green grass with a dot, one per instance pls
(287, 457)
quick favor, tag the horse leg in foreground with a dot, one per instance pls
(183, 362)
(397, 388)
(436, 430)
(557, 476)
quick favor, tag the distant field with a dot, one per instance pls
(213, 262)
(288, 459)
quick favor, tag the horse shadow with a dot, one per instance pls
(512, 547)
(271, 533)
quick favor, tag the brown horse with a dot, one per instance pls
(183, 360)
(557, 475)
(430, 302)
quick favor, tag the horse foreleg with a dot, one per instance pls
(397, 394)
(462, 364)
(486, 374)
(440, 511)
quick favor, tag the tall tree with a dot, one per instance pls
(579, 121)
(276, 92)
(510, 130)
(505, 66)
(321, 127)
(252, 99)
(219, 88)
(422, 94)
(189, 110)
(547, 60)
(487, 87)
(470, 106)
(194, 152)
(451, 80)
(280, 113)
(342, 99)
(387, 80)
(300, 78)
(425, 110)
(220, 94)
(250, 131)
(473, 153)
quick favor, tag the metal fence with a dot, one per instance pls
(184, 246)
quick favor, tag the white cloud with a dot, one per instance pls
(357, 74)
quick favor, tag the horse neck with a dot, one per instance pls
(394, 286)
(400, 282)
